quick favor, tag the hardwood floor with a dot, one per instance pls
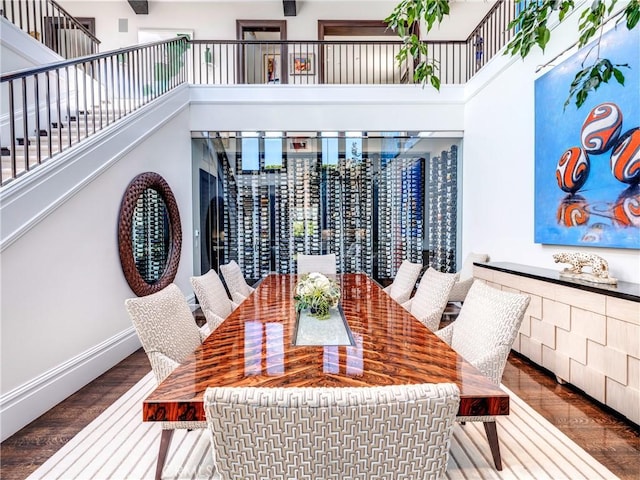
(613, 442)
(27, 449)
(606, 436)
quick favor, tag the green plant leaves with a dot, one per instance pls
(591, 78)
(632, 13)
(404, 17)
(531, 30)
(531, 25)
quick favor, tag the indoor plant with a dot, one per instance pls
(316, 293)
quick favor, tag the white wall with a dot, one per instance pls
(216, 20)
(18, 50)
(327, 107)
(63, 291)
(498, 165)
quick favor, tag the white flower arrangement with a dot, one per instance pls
(317, 293)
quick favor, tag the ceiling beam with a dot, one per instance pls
(289, 8)
(141, 7)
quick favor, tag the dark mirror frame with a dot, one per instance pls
(125, 227)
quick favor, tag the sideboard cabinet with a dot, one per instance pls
(587, 334)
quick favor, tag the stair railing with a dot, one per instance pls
(491, 34)
(46, 110)
(52, 25)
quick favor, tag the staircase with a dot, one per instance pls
(49, 23)
(86, 94)
(55, 139)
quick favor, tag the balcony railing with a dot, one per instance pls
(49, 109)
(237, 62)
(52, 25)
(232, 62)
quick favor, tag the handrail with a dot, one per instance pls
(493, 32)
(76, 61)
(315, 42)
(78, 25)
(47, 110)
(486, 18)
(43, 19)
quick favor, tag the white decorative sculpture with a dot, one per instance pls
(577, 260)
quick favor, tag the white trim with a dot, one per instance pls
(28, 401)
(302, 95)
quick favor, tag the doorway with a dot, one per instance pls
(375, 61)
(262, 58)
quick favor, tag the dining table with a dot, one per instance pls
(258, 346)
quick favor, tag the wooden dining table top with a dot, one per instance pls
(254, 347)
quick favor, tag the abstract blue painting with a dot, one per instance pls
(587, 159)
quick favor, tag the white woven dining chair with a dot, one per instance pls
(168, 333)
(483, 334)
(404, 282)
(213, 299)
(399, 431)
(462, 286)
(325, 264)
(431, 297)
(237, 285)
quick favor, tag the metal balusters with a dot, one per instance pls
(83, 98)
(36, 100)
(49, 120)
(12, 131)
(77, 95)
(59, 110)
(25, 127)
(20, 14)
(93, 95)
(108, 86)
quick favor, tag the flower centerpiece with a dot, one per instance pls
(316, 293)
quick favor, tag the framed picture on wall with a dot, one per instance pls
(302, 64)
(271, 68)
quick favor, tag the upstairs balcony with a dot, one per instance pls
(49, 109)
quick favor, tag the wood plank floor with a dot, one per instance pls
(613, 442)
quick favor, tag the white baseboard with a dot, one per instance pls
(24, 404)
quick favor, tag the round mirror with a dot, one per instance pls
(149, 234)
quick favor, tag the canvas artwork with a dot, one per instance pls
(271, 68)
(587, 160)
(302, 64)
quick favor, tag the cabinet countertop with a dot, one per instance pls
(624, 290)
